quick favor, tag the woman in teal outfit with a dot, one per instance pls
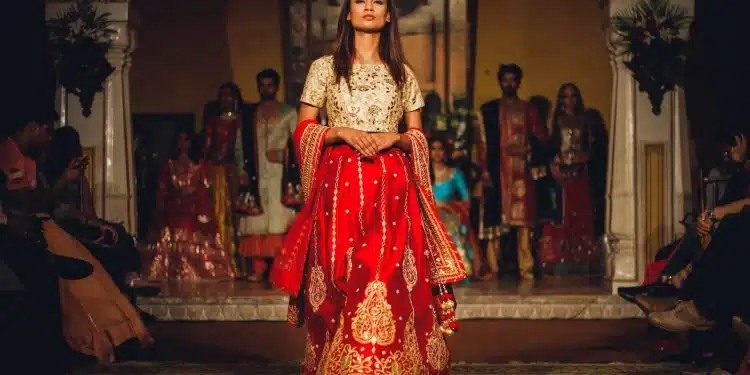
(452, 198)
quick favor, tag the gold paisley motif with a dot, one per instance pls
(310, 356)
(409, 269)
(317, 289)
(373, 321)
(438, 355)
(411, 362)
(344, 359)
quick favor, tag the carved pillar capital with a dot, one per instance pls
(123, 44)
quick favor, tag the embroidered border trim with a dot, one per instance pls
(446, 266)
(310, 151)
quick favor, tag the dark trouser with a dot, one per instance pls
(32, 329)
(718, 286)
(684, 254)
(719, 280)
(117, 260)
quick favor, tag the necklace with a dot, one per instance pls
(265, 123)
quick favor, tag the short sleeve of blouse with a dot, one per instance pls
(411, 94)
(314, 92)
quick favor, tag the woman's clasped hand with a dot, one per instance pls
(367, 144)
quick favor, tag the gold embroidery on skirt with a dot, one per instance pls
(292, 314)
(437, 350)
(317, 288)
(411, 362)
(325, 358)
(310, 356)
(373, 321)
(409, 269)
(345, 359)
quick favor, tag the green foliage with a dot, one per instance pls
(648, 37)
(81, 39)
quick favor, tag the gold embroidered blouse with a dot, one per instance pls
(374, 104)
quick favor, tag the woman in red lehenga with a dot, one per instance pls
(186, 245)
(364, 256)
(568, 243)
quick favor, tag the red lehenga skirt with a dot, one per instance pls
(369, 305)
(369, 266)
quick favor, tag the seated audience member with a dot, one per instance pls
(62, 170)
(96, 316)
(674, 264)
(714, 291)
(34, 325)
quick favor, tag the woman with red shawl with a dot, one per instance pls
(367, 262)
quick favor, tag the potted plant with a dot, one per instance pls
(80, 39)
(648, 37)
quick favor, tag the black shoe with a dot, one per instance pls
(653, 290)
(70, 268)
(628, 293)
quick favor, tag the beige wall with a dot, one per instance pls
(188, 47)
(553, 41)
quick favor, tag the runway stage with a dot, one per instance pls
(556, 320)
(550, 298)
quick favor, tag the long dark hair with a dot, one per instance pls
(390, 49)
(235, 89)
(444, 140)
(64, 146)
(555, 141)
(195, 147)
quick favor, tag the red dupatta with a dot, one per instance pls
(446, 266)
(289, 265)
(287, 274)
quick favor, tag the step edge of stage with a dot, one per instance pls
(274, 308)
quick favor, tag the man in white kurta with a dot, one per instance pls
(260, 236)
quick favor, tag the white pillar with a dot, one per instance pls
(108, 130)
(632, 127)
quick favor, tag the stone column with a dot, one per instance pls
(107, 132)
(634, 130)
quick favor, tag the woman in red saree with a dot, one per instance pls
(185, 243)
(364, 256)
